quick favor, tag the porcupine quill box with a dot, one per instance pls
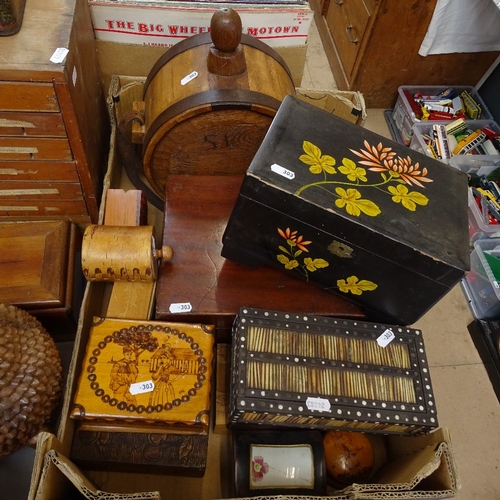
(302, 371)
(148, 376)
(355, 213)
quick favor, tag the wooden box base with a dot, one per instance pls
(172, 454)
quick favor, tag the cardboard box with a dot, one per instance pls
(130, 54)
(347, 104)
(137, 60)
(421, 466)
(163, 24)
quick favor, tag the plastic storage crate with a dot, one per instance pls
(477, 165)
(405, 119)
(425, 128)
(481, 286)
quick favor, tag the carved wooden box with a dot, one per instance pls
(305, 371)
(174, 454)
(148, 375)
(339, 206)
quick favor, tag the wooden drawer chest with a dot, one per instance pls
(372, 47)
(53, 121)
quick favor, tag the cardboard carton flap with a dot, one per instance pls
(406, 473)
(56, 461)
(349, 105)
(409, 471)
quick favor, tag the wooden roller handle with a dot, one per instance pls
(226, 57)
(121, 253)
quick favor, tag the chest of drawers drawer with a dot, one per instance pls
(347, 21)
(34, 148)
(40, 191)
(31, 124)
(54, 125)
(41, 171)
(26, 96)
(34, 209)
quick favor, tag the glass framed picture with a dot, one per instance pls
(278, 462)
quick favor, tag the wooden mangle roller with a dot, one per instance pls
(121, 253)
(208, 102)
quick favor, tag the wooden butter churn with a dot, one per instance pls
(208, 102)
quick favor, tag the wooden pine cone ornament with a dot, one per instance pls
(30, 378)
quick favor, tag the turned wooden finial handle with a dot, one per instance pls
(226, 29)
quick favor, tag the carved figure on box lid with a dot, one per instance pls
(150, 371)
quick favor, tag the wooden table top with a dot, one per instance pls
(197, 209)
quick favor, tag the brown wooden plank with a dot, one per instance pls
(125, 208)
(128, 300)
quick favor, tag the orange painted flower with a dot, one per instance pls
(380, 159)
(293, 240)
(287, 233)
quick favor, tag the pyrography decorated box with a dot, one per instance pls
(146, 373)
(305, 371)
(352, 212)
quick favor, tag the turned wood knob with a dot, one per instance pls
(165, 253)
(226, 29)
(226, 57)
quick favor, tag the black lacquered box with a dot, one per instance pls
(352, 212)
(303, 371)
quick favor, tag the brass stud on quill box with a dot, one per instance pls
(296, 370)
(150, 375)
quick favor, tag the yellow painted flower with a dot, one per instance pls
(355, 286)
(354, 204)
(289, 264)
(408, 200)
(352, 171)
(317, 162)
(314, 264)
